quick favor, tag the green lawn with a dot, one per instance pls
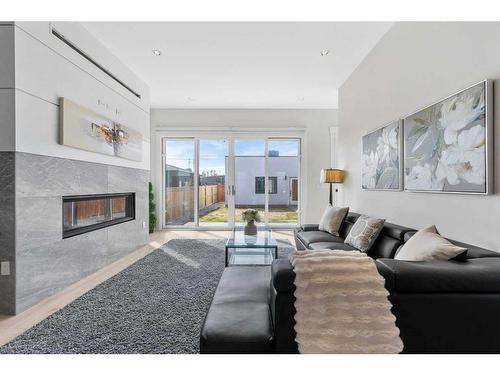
(277, 214)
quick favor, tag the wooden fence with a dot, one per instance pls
(180, 203)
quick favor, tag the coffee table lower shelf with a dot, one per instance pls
(266, 252)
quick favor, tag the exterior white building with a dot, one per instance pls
(283, 180)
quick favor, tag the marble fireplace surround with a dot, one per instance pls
(44, 263)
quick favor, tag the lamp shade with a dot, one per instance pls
(332, 176)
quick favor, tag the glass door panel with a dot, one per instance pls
(213, 179)
(283, 172)
(180, 160)
(249, 177)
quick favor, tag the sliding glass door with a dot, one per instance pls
(179, 182)
(232, 174)
(283, 171)
(213, 205)
(249, 177)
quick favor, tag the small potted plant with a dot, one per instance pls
(250, 217)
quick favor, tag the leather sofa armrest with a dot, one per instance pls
(282, 276)
(480, 275)
(309, 227)
(388, 273)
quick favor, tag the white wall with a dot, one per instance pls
(416, 64)
(316, 123)
(46, 69)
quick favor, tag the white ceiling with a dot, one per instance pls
(241, 64)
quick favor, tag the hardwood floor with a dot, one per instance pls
(13, 326)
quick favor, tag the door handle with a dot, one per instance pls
(233, 190)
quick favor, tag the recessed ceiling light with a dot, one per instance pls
(325, 52)
(156, 52)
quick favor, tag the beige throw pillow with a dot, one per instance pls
(364, 232)
(427, 244)
(332, 219)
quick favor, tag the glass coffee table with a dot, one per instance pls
(257, 250)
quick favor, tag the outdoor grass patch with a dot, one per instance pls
(276, 215)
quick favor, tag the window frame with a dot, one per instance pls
(272, 182)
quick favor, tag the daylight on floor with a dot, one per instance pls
(220, 184)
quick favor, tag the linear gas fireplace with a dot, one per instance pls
(85, 213)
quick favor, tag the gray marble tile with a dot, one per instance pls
(44, 176)
(126, 237)
(7, 227)
(122, 180)
(7, 173)
(8, 293)
(7, 253)
(7, 231)
(39, 222)
(47, 269)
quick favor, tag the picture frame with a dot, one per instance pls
(448, 145)
(381, 158)
(87, 130)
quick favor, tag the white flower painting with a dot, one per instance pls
(381, 159)
(445, 144)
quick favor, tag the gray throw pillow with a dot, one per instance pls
(332, 219)
(364, 232)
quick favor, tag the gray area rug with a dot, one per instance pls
(156, 305)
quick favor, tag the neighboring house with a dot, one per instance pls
(178, 177)
(283, 180)
(212, 180)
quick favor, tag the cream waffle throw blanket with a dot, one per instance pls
(342, 304)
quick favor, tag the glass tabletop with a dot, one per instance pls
(263, 239)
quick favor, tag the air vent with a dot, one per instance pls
(91, 60)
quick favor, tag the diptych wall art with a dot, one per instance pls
(82, 128)
(446, 144)
(381, 158)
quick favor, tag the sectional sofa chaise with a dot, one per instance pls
(440, 306)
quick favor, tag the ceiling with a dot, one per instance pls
(241, 64)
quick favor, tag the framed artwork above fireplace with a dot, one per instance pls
(82, 128)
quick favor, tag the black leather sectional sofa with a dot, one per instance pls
(440, 306)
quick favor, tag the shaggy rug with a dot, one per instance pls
(156, 305)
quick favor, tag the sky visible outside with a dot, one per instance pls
(180, 153)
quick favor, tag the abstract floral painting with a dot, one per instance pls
(84, 129)
(445, 144)
(381, 158)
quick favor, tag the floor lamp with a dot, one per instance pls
(332, 176)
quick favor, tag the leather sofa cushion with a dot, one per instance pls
(470, 276)
(317, 236)
(348, 223)
(395, 231)
(332, 246)
(239, 320)
(384, 247)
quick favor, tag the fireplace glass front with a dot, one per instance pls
(85, 213)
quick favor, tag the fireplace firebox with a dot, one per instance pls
(86, 213)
